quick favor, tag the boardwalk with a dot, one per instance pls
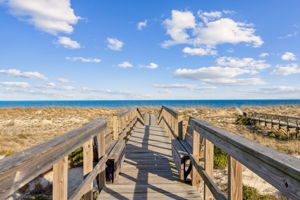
(138, 160)
(148, 171)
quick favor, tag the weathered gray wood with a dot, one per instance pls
(173, 112)
(279, 169)
(60, 180)
(140, 113)
(22, 167)
(124, 112)
(88, 167)
(148, 170)
(208, 181)
(235, 182)
(88, 180)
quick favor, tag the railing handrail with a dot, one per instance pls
(274, 115)
(124, 112)
(172, 111)
(279, 169)
(22, 167)
(288, 164)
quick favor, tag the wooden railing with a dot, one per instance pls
(19, 169)
(278, 120)
(172, 121)
(279, 169)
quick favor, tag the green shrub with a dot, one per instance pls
(76, 157)
(242, 120)
(37, 197)
(220, 158)
(251, 193)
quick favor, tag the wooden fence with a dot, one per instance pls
(280, 121)
(21, 168)
(279, 169)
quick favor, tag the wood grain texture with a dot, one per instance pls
(148, 170)
(80, 191)
(235, 182)
(60, 180)
(22, 167)
(196, 153)
(279, 169)
(207, 179)
(209, 166)
(88, 167)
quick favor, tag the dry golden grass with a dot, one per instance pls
(21, 128)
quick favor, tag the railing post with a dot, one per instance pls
(88, 166)
(101, 153)
(115, 127)
(180, 127)
(209, 166)
(195, 174)
(235, 185)
(60, 180)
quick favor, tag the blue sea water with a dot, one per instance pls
(124, 103)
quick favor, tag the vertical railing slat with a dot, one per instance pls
(209, 165)
(195, 174)
(60, 180)
(235, 185)
(88, 166)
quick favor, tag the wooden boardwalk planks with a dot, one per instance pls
(148, 171)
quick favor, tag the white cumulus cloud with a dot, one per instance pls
(288, 56)
(52, 16)
(141, 25)
(199, 51)
(85, 60)
(125, 64)
(207, 16)
(285, 70)
(18, 73)
(212, 31)
(242, 62)
(151, 65)
(114, 44)
(263, 55)
(178, 25)
(68, 43)
(219, 75)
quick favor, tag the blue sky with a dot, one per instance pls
(62, 49)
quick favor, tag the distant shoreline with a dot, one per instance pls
(175, 103)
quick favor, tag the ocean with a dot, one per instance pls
(125, 103)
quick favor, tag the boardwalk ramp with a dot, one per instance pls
(148, 170)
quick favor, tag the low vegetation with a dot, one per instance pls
(220, 158)
(251, 193)
(21, 128)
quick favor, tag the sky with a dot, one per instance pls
(150, 49)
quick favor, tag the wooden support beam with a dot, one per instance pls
(88, 166)
(101, 153)
(209, 166)
(115, 127)
(60, 180)
(235, 184)
(195, 174)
